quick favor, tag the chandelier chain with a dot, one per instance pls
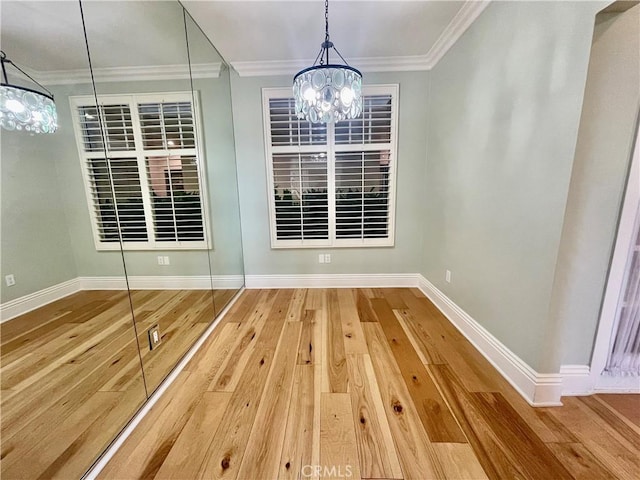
(326, 20)
(326, 92)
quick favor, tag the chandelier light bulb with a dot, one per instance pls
(23, 108)
(325, 92)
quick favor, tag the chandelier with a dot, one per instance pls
(325, 92)
(23, 108)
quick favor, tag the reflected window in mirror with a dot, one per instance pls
(146, 186)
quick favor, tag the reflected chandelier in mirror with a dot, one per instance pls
(23, 108)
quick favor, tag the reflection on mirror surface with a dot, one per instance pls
(71, 371)
(214, 94)
(153, 164)
(121, 230)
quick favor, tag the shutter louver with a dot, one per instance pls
(145, 189)
(362, 194)
(175, 193)
(300, 195)
(118, 126)
(166, 125)
(332, 185)
(373, 126)
(288, 129)
(117, 179)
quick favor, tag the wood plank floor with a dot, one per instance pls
(70, 374)
(363, 384)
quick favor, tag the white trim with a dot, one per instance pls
(108, 454)
(539, 389)
(126, 74)
(578, 380)
(331, 149)
(372, 64)
(32, 301)
(332, 280)
(467, 14)
(103, 283)
(575, 380)
(615, 280)
(140, 155)
(163, 282)
(609, 384)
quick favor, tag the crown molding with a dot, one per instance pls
(467, 14)
(126, 74)
(290, 67)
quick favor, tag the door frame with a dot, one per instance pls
(615, 281)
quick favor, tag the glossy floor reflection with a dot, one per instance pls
(71, 376)
(377, 380)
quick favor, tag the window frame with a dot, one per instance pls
(140, 154)
(331, 148)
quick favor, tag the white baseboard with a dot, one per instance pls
(576, 380)
(579, 380)
(540, 390)
(332, 280)
(27, 303)
(161, 282)
(103, 283)
(608, 384)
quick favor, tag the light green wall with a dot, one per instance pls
(504, 109)
(219, 145)
(91, 262)
(259, 257)
(30, 203)
(46, 228)
(603, 153)
(220, 168)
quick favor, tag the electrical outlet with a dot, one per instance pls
(166, 261)
(10, 279)
(154, 337)
(447, 276)
(327, 258)
(160, 260)
(321, 258)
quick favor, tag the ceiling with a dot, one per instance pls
(287, 30)
(253, 34)
(256, 37)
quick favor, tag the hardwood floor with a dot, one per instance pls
(71, 376)
(363, 384)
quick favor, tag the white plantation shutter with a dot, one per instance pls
(145, 187)
(300, 195)
(362, 194)
(331, 185)
(117, 179)
(177, 211)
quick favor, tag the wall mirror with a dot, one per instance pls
(153, 125)
(214, 94)
(71, 372)
(121, 230)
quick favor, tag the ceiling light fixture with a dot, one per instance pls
(23, 108)
(325, 92)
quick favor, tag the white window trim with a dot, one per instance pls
(331, 242)
(133, 100)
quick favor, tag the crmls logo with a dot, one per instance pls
(339, 471)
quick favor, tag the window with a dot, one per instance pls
(331, 185)
(146, 185)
